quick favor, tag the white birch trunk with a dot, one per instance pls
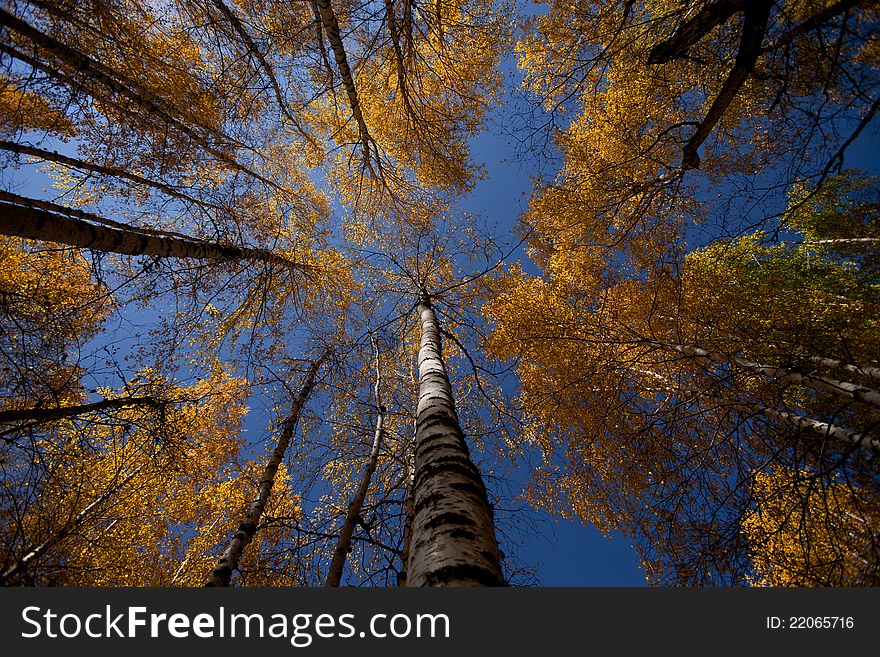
(47, 222)
(90, 75)
(331, 29)
(409, 502)
(839, 434)
(222, 574)
(337, 564)
(871, 372)
(781, 374)
(53, 156)
(453, 535)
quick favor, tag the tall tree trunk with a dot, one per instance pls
(782, 375)
(391, 21)
(47, 222)
(331, 29)
(337, 565)
(453, 538)
(222, 574)
(319, 40)
(872, 372)
(268, 70)
(409, 503)
(408, 513)
(837, 433)
(93, 72)
(53, 156)
(47, 414)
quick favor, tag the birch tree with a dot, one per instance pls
(656, 402)
(222, 574)
(343, 546)
(453, 537)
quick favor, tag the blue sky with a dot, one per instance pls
(566, 552)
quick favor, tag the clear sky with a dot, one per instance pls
(566, 553)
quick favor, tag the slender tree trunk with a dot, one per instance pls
(409, 502)
(839, 240)
(391, 21)
(269, 72)
(319, 39)
(337, 565)
(44, 414)
(782, 375)
(222, 574)
(331, 29)
(96, 72)
(52, 156)
(31, 219)
(872, 372)
(837, 433)
(408, 513)
(438, 17)
(185, 562)
(453, 538)
(407, 25)
(254, 50)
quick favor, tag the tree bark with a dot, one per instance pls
(839, 434)
(709, 17)
(254, 50)
(319, 40)
(782, 375)
(453, 536)
(44, 414)
(757, 15)
(222, 574)
(833, 363)
(836, 432)
(842, 240)
(47, 222)
(408, 513)
(337, 564)
(409, 502)
(52, 156)
(115, 82)
(331, 28)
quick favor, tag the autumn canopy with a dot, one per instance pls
(250, 335)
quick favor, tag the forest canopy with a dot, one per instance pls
(253, 332)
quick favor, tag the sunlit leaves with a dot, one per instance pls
(804, 532)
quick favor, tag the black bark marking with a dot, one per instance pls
(458, 465)
(472, 487)
(462, 533)
(449, 518)
(428, 447)
(478, 574)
